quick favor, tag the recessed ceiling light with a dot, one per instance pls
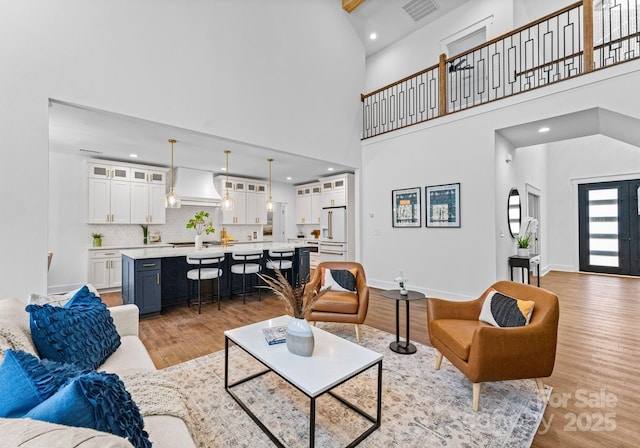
(330, 169)
(544, 129)
(133, 156)
(223, 168)
(373, 36)
(289, 177)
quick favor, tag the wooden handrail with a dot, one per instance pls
(580, 53)
(406, 78)
(486, 44)
(555, 61)
(517, 30)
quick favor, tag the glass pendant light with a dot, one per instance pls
(270, 199)
(172, 200)
(227, 201)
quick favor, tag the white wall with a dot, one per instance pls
(526, 11)
(266, 73)
(463, 147)
(422, 48)
(583, 160)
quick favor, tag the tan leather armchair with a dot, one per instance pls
(339, 306)
(483, 352)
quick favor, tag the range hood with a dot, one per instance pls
(195, 187)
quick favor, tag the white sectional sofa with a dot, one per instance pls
(164, 431)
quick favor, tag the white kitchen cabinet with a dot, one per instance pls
(238, 192)
(147, 176)
(126, 194)
(303, 204)
(99, 170)
(109, 201)
(105, 269)
(256, 203)
(308, 203)
(316, 203)
(334, 192)
(147, 203)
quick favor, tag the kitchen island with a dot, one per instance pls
(154, 278)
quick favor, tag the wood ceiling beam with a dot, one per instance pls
(351, 5)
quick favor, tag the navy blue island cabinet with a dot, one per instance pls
(141, 283)
(161, 281)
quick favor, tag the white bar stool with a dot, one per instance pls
(282, 260)
(248, 261)
(203, 259)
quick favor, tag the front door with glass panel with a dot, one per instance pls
(608, 227)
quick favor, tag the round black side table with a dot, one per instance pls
(406, 347)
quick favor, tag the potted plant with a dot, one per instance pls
(524, 237)
(145, 232)
(297, 301)
(97, 239)
(200, 223)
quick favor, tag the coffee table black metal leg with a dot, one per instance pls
(312, 423)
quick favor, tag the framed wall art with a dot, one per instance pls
(443, 205)
(406, 207)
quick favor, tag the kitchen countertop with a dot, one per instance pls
(129, 246)
(162, 252)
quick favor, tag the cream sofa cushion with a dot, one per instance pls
(27, 433)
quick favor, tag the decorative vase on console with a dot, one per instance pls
(402, 283)
(200, 223)
(300, 340)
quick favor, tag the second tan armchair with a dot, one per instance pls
(340, 306)
(483, 352)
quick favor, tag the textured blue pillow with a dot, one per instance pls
(26, 381)
(95, 400)
(82, 332)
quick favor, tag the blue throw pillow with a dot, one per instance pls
(82, 332)
(26, 381)
(95, 400)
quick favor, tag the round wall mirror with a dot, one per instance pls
(514, 212)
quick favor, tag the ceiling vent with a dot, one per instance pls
(419, 9)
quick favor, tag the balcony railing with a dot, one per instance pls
(570, 42)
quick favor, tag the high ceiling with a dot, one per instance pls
(89, 132)
(392, 20)
(79, 130)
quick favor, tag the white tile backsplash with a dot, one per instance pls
(174, 230)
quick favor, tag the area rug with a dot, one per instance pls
(422, 407)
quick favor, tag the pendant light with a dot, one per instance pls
(227, 202)
(172, 200)
(270, 199)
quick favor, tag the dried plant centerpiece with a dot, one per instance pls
(297, 301)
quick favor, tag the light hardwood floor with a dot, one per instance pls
(596, 386)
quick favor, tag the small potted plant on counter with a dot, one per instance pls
(97, 239)
(200, 223)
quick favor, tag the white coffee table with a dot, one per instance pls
(334, 361)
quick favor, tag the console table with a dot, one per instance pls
(406, 347)
(525, 262)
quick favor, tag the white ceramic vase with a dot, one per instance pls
(198, 242)
(523, 251)
(300, 337)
